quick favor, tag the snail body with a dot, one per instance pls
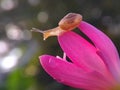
(67, 23)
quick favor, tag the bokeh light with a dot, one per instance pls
(34, 2)
(3, 47)
(42, 17)
(10, 61)
(15, 33)
(8, 4)
(32, 70)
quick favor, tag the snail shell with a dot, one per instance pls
(70, 21)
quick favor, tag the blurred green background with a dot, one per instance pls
(20, 48)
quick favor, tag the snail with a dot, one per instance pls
(67, 23)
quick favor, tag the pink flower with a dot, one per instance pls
(93, 66)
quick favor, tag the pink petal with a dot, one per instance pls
(81, 52)
(72, 75)
(106, 49)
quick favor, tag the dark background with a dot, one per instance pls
(20, 48)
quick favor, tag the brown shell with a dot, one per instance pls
(70, 21)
